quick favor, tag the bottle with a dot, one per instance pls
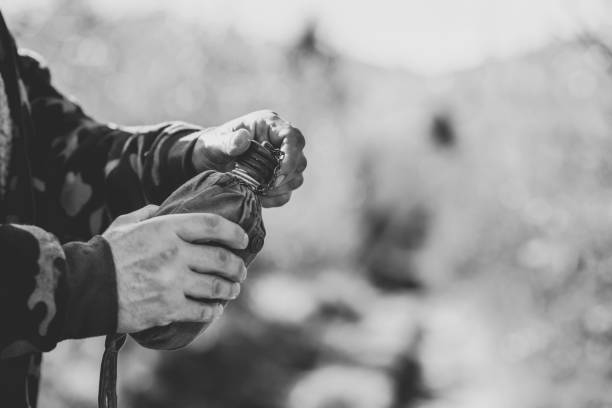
(234, 195)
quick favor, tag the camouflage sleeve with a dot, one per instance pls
(53, 292)
(94, 171)
(84, 173)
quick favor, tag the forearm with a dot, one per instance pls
(86, 168)
(50, 292)
(149, 165)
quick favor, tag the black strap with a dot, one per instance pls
(107, 390)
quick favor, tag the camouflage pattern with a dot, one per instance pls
(68, 176)
(5, 137)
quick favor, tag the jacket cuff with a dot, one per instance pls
(90, 290)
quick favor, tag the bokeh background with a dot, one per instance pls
(452, 243)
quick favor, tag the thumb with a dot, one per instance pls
(235, 143)
(137, 216)
(219, 147)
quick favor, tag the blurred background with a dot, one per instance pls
(452, 243)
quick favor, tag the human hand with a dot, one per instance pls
(217, 148)
(168, 269)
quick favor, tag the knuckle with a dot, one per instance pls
(222, 256)
(296, 182)
(268, 114)
(166, 282)
(169, 253)
(281, 200)
(296, 137)
(262, 121)
(235, 261)
(229, 264)
(211, 221)
(158, 226)
(303, 164)
(222, 289)
(217, 287)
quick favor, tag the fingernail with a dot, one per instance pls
(218, 311)
(243, 274)
(235, 290)
(245, 241)
(279, 180)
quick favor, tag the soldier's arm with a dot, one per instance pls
(93, 171)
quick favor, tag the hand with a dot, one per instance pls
(217, 148)
(166, 270)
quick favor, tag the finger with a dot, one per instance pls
(207, 259)
(195, 311)
(287, 187)
(276, 201)
(259, 123)
(296, 182)
(137, 216)
(208, 287)
(220, 145)
(292, 145)
(262, 130)
(302, 164)
(205, 227)
(235, 143)
(274, 124)
(295, 175)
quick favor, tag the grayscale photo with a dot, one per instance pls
(305, 204)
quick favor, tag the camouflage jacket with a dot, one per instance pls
(68, 176)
